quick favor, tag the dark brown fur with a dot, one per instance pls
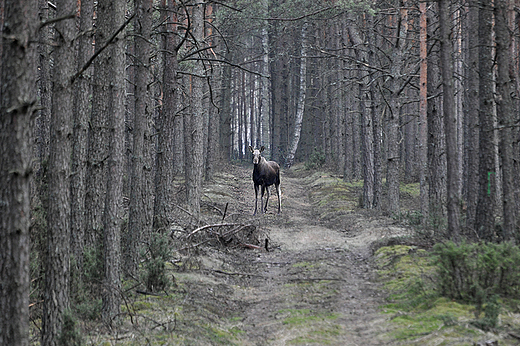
(265, 174)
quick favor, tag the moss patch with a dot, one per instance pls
(421, 316)
(298, 317)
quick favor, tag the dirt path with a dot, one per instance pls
(316, 285)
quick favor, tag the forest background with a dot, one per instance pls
(104, 103)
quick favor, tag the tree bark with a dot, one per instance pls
(82, 94)
(423, 114)
(98, 134)
(165, 122)
(17, 107)
(506, 119)
(450, 122)
(367, 135)
(300, 107)
(485, 214)
(193, 124)
(57, 274)
(113, 11)
(44, 91)
(394, 112)
(140, 198)
(436, 144)
(472, 110)
(265, 84)
(226, 144)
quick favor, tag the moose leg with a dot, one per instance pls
(256, 198)
(267, 198)
(279, 194)
(262, 199)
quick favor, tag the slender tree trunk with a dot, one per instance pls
(82, 93)
(44, 91)
(226, 144)
(472, 114)
(506, 119)
(165, 122)
(98, 134)
(265, 84)
(138, 218)
(300, 108)
(436, 154)
(212, 121)
(367, 135)
(450, 122)
(17, 106)
(423, 114)
(114, 10)
(57, 274)
(193, 124)
(395, 103)
(485, 214)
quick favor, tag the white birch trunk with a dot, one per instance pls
(301, 99)
(265, 109)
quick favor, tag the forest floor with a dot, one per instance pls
(315, 284)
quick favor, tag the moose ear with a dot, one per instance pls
(251, 148)
(262, 148)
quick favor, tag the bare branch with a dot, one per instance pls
(101, 49)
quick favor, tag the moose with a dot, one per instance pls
(265, 174)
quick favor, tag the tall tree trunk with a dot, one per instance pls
(82, 93)
(140, 198)
(300, 107)
(367, 135)
(44, 90)
(226, 144)
(471, 115)
(436, 154)
(506, 118)
(57, 274)
(264, 107)
(450, 122)
(98, 134)
(212, 121)
(423, 114)
(165, 121)
(485, 219)
(193, 124)
(113, 11)
(17, 105)
(394, 112)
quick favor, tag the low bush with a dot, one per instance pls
(467, 271)
(155, 274)
(480, 274)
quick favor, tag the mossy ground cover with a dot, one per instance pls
(178, 317)
(315, 328)
(420, 314)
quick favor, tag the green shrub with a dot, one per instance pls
(316, 160)
(70, 334)
(159, 253)
(467, 270)
(480, 274)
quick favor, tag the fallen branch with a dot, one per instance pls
(210, 226)
(151, 293)
(233, 231)
(316, 279)
(516, 336)
(236, 273)
(250, 246)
